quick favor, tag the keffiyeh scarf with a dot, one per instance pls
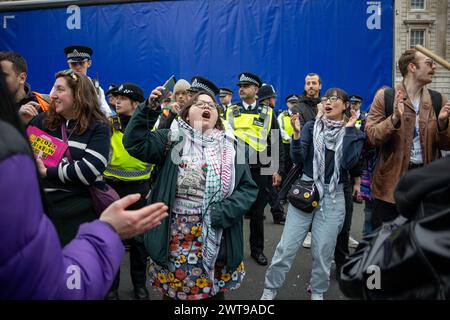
(327, 134)
(219, 153)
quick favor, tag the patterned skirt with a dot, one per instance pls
(185, 277)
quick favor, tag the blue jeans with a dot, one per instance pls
(327, 222)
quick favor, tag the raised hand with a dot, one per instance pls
(276, 179)
(444, 114)
(130, 223)
(295, 122)
(28, 111)
(154, 95)
(353, 117)
(399, 106)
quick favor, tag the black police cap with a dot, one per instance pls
(130, 90)
(292, 98)
(266, 91)
(78, 53)
(201, 84)
(111, 88)
(355, 98)
(225, 91)
(249, 78)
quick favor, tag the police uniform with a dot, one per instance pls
(78, 53)
(253, 125)
(284, 121)
(128, 175)
(266, 92)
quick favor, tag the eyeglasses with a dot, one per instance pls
(331, 98)
(428, 62)
(202, 104)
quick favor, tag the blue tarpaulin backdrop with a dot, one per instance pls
(348, 42)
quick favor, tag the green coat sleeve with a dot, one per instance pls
(226, 213)
(139, 139)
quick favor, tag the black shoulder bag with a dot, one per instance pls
(303, 194)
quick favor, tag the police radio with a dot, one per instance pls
(115, 123)
(236, 111)
(264, 112)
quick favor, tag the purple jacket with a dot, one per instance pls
(32, 263)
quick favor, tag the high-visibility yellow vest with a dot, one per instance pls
(285, 119)
(123, 166)
(250, 127)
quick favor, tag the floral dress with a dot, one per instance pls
(185, 278)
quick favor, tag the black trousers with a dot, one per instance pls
(341, 250)
(256, 211)
(287, 157)
(382, 211)
(138, 254)
(275, 206)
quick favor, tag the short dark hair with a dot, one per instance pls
(185, 110)
(407, 57)
(18, 62)
(312, 74)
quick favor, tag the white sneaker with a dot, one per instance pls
(307, 241)
(316, 296)
(268, 294)
(352, 243)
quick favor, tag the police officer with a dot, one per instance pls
(128, 175)
(268, 97)
(225, 96)
(79, 59)
(111, 98)
(284, 121)
(355, 104)
(255, 125)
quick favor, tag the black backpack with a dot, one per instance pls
(436, 100)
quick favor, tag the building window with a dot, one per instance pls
(416, 37)
(417, 4)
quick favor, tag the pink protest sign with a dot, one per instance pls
(48, 148)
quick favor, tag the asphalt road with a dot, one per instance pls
(296, 281)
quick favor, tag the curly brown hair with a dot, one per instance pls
(184, 112)
(86, 105)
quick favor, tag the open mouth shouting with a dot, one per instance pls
(206, 114)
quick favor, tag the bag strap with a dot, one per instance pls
(64, 137)
(388, 101)
(295, 173)
(436, 100)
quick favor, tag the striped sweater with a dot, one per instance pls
(89, 152)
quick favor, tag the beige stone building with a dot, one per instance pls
(424, 22)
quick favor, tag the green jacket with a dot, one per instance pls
(149, 146)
